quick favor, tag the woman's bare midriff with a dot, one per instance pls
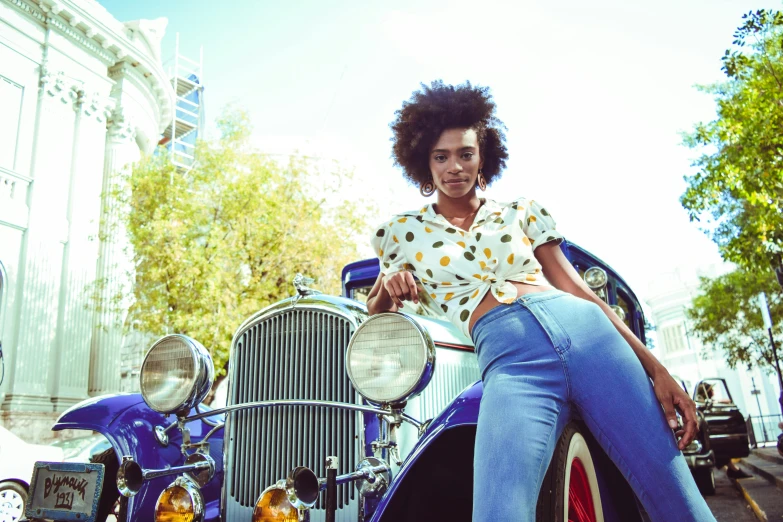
(489, 302)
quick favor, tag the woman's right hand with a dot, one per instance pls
(388, 292)
(401, 286)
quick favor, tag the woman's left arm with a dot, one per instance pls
(559, 272)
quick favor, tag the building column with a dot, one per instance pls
(71, 358)
(114, 263)
(40, 264)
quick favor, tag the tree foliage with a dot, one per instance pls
(219, 242)
(739, 183)
(726, 317)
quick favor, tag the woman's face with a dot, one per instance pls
(455, 162)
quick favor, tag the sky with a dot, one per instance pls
(594, 95)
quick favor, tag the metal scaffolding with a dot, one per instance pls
(187, 121)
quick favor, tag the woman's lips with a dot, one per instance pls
(455, 181)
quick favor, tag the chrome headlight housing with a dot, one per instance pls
(595, 277)
(619, 311)
(273, 506)
(176, 374)
(390, 359)
(180, 502)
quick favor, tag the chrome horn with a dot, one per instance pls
(302, 488)
(131, 477)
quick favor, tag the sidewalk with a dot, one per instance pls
(763, 491)
(767, 463)
(769, 453)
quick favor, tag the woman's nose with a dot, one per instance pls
(454, 165)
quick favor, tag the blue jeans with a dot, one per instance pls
(542, 358)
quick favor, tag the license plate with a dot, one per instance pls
(65, 491)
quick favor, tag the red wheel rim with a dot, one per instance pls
(580, 498)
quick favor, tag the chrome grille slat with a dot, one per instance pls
(257, 355)
(294, 354)
(250, 421)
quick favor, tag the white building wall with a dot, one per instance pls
(82, 97)
(683, 353)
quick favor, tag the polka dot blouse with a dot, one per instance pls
(456, 267)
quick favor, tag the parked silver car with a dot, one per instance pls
(17, 458)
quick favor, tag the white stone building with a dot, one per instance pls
(681, 351)
(82, 96)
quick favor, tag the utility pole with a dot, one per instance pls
(755, 391)
(768, 325)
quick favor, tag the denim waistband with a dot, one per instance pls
(529, 298)
(533, 297)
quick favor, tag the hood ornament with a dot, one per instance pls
(301, 284)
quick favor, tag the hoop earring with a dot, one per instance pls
(427, 189)
(481, 182)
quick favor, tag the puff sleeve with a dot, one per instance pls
(387, 248)
(539, 226)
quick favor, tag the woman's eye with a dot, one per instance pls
(440, 157)
(467, 155)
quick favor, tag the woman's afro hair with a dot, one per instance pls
(439, 107)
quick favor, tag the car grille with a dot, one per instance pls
(296, 354)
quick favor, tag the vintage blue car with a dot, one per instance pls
(331, 415)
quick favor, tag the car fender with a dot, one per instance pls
(129, 425)
(462, 411)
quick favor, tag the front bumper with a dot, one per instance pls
(700, 460)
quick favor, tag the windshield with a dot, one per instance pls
(714, 390)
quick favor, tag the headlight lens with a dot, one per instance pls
(693, 447)
(273, 506)
(390, 358)
(595, 277)
(176, 374)
(619, 311)
(180, 502)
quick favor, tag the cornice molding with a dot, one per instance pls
(120, 127)
(111, 45)
(30, 9)
(77, 36)
(93, 105)
(118, 71)
(59, 86)
(124, 71)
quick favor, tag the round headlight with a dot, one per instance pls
(619, 311)
(273, 506)
(390, 358)
(595, 277)
(176, 374)
(180, 502)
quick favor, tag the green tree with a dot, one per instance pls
(725, 316)
(219, 242)
(739, 183)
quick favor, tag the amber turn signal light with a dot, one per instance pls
(273, 506)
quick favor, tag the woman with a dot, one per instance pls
(544, 353)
